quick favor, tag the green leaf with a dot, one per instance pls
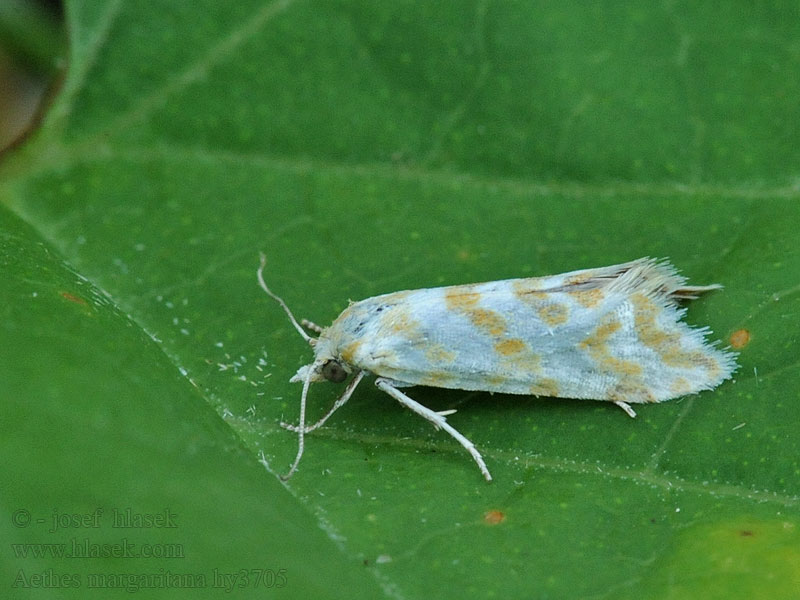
(373, 147)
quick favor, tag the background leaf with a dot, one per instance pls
(372, 147)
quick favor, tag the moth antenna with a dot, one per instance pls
(279, 300)
(301, 430)
(310, 325)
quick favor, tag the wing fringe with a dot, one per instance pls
(657, 278)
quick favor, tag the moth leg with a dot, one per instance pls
(310, 325)
(301, 430)
(336, 405)
(437, 419)
(626, 407)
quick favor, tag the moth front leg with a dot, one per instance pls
(439, 421)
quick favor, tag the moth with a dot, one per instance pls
(611, 333)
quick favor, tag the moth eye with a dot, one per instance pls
(333, 371)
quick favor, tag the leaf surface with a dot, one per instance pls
(373, 147)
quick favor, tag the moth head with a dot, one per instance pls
(326, 367)
(334, 371)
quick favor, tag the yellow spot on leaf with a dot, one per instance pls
(494, 517)
(464, 255)
(737, 557)
(73, 298)
(740, 338)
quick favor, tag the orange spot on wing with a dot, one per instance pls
(740, 338)
(667, 343)
(496, 381)
(522, 365)
(510, 346)
(461, 298)
(596, 344)
(588, 298)
(529, 290)
(553, 313)
(488, 320)
(401, 322)
(349, 351)
(437, 379)
(602, 333)
(631, 391)
(680, 386)
(708, 362)
(464, 300)
(545, 387)
(439, 354)
(582, 277)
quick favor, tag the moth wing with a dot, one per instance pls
(612, 333)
